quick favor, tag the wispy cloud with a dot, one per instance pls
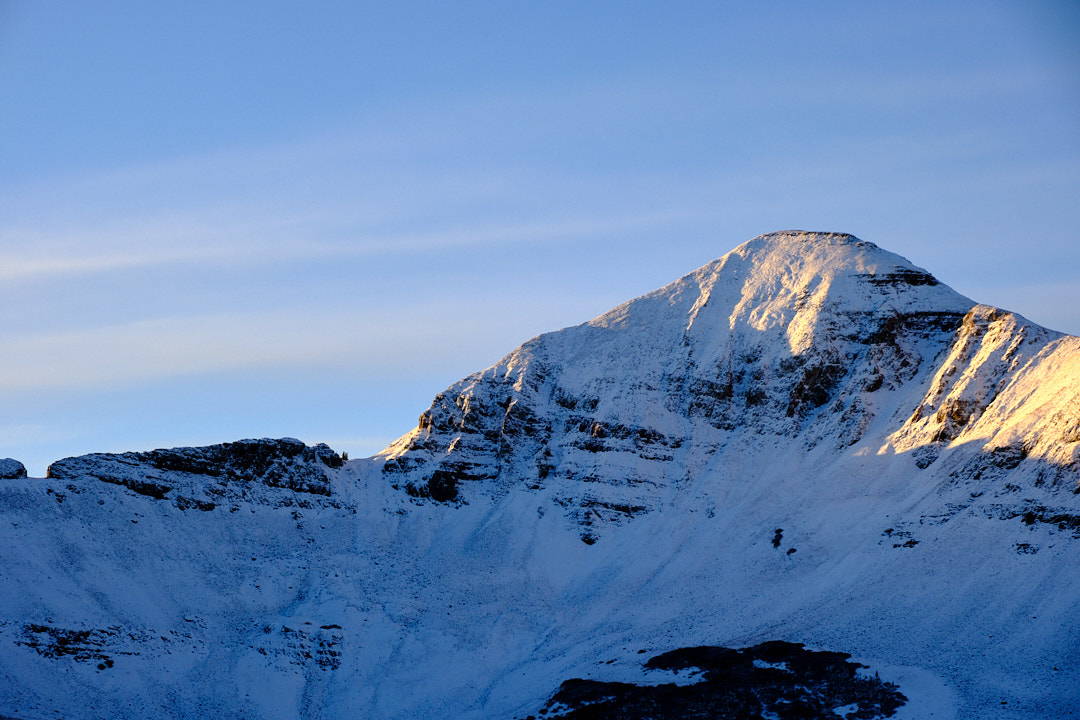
(134, 352)
(263, 241)
(406, 340)
(20, 267)
(401, 182)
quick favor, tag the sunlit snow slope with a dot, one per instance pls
(808, 440)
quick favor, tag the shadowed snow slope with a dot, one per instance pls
(808, 440)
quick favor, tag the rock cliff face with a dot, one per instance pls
(809, 448)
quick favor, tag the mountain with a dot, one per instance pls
(805, 480)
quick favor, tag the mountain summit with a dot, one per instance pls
(819, 336)
(805, 480)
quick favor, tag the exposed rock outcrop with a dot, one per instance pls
(203, 476)
(773, 679)
(11, 469)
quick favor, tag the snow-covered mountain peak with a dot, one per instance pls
(788, 280)
(807, 442)
(820, 338)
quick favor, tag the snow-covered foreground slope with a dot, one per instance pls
(809, 440)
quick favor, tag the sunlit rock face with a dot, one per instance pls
(809, 448)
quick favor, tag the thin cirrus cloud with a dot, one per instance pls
(334, 195)
(151, 349)
(411, 182)
(477, 146)
(401, 342)
(17, 267)
(255, 243)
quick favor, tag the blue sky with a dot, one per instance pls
(226, 220)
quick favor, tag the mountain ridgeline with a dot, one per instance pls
(807, 480)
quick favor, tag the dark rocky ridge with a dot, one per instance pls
(779, 680)
(11, 469)
(212, 473)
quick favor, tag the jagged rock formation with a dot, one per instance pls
(808, 440)
(204, 477)
(11, 469)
